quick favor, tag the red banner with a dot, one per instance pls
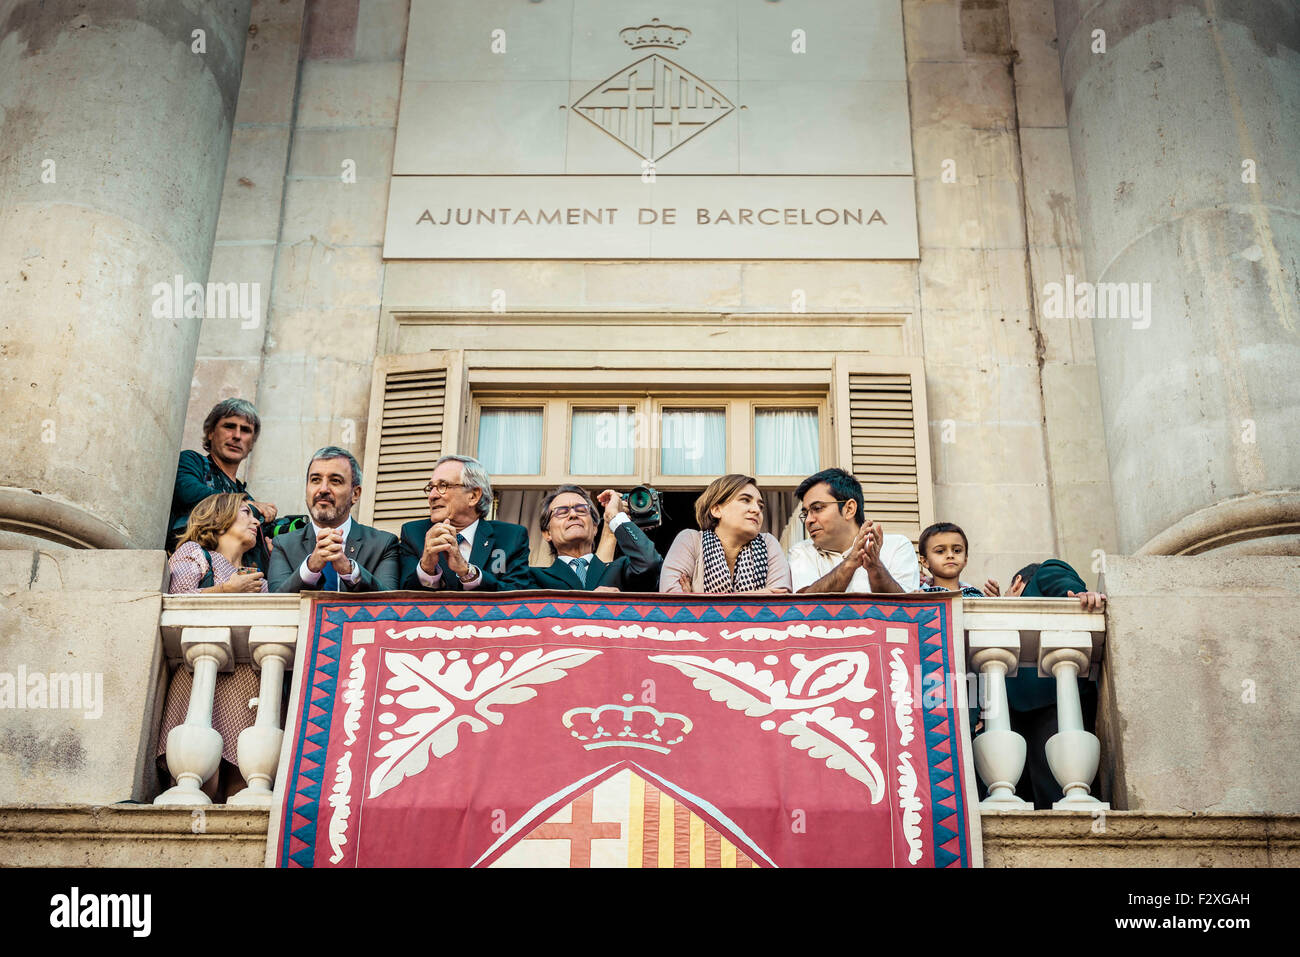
(548, 729)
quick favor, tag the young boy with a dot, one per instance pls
(944, 554)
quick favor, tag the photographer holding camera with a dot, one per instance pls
(568, 521)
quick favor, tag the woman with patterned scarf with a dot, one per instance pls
(731, 552)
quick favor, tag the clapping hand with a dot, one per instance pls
(866, 545)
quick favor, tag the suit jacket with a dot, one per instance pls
(374, 551)
(637, 569)
(500, 552)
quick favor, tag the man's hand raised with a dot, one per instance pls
(613, 503)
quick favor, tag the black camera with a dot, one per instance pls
(645, 507)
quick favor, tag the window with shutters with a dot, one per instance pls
(884, 440)
(415, 402)
(676, 429)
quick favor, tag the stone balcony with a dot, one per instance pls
(1002, 635)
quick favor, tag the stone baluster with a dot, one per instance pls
(1072, 753)
(194, 748)
(272, 649)
(999, 751)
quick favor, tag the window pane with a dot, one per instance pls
(785, 442)
(693, 441)
(603, 441)
(510, 441)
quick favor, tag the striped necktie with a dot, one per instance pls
(579, 566)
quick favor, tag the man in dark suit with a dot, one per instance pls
(568, 520)
(456, 548)
(334, 553)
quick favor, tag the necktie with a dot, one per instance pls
(331, 578)
(579, 567)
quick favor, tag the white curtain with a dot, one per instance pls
(785, 442)
(510, 441)
(693, 442)
(602, 442)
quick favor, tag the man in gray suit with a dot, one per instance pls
(334, 553)
(568, 520)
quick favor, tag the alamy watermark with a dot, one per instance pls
(76, 909)
(217, 300)
(667, 429)
(1102, 300)
(37, 691)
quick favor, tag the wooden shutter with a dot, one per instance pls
(883, 438)
(414, 418)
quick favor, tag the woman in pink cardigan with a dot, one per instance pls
(731, 553)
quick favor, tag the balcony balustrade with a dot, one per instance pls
(209, 634)
(1058, 640)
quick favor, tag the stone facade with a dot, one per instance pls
(1050, 433)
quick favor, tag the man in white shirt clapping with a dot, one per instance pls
(844, 552)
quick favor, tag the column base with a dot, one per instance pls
(27, 513)
(1261, 523)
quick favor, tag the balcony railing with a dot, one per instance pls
(1057, 640)
(209, 634)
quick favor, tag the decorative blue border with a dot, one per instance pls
(332, 615)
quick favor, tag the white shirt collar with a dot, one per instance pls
(469, 531)
(345, 528)
(569, 559)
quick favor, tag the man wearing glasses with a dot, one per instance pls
(843, 552)
(456, 548)
(568, 521)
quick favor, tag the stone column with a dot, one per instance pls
(1184, 140)
(115, 120)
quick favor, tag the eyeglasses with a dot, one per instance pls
(564, 511)
(442, 487)
(816, 508)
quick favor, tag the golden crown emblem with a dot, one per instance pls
(627, 726)
(655, 34)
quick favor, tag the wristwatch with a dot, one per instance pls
(471, 576)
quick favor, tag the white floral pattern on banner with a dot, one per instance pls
(354, 695)
(908, 803)
(341, 802)
(799, 631)
(439, 686)
(460, 631)
(814, 726)
(629, 631)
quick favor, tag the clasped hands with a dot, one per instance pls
(440, 538)
(329, 551)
